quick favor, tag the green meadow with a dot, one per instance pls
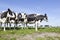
(13, 34)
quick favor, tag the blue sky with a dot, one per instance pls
(51, 7)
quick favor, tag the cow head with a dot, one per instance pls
(10, 12)
(46, 18)
(22, 15)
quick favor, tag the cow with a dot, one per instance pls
(6, 17)
(11, 18)
(34, 18)
(3, 18)
(2, 21)
(22, 18)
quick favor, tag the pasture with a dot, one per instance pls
(30, 34)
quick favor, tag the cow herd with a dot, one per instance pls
(9, 17)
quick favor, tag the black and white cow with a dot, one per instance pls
(40, 18)
(2, 21)
(34, 18)
(6, 16)
(11, 18)
(3, 17)
(22, 18)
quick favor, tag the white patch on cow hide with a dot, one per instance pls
(3, 20)
(12, 16)
(25, 20)
(8, 15)
(12, 21)
(16, 15)
(23, 15)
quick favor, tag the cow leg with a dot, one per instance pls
(9, 25)
(23, 26)
(4, 26)
(36, 27)
(0, 24)
(26, 26)
(14, 26)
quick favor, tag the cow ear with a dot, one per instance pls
(8, 9)
(25, 14)
(19, 13)
(45, 14)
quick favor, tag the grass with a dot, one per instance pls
(3, 39)
(57, 30)
(48, 38)
(29, 31)
(13, 39)
(23, 32)
(19, 32)
(7, 38)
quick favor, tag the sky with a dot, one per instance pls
(50, 7)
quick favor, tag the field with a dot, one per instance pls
(31, 34)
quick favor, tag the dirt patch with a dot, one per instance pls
(42, 35)
(31, 36)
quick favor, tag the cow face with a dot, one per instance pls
(10, 12)
(23, 15)
(46, 18)
(19, 15)
(12, 16)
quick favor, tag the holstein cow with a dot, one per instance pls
(5, 17)
(41, 18)
(2, 20)
(22, 18)
(11, 18)
(34, 18)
